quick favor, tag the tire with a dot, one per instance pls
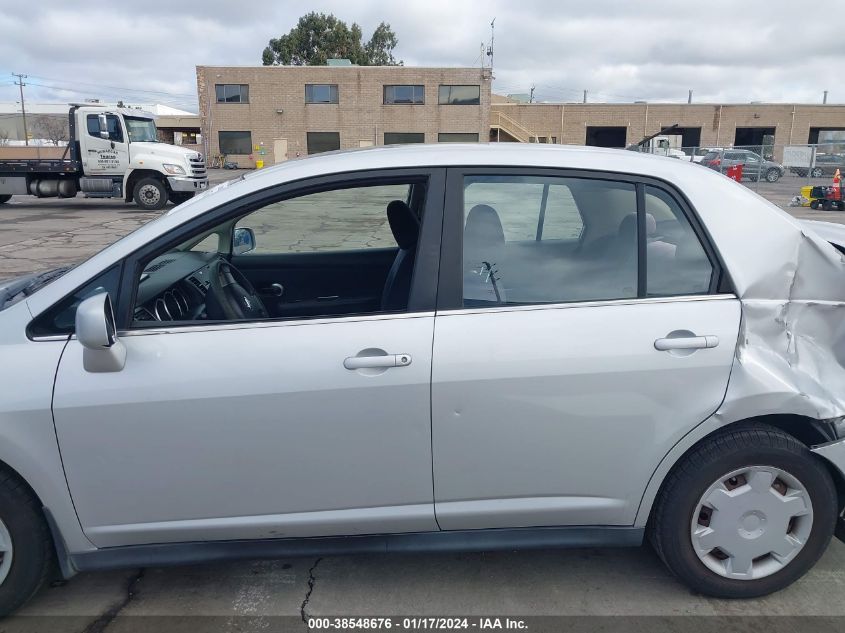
(816, 173)
(826, 205)
(150, 194)
(178, 197)
(743, 448)
(814, 204)
(5, 198)
(32, 555)
(773, 175)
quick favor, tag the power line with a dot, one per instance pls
(97, 85)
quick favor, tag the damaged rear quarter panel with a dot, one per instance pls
(790, 354)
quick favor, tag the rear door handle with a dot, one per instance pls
(687, 342)
(369, 362)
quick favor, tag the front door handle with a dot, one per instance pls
(686, 342)
(373, 362)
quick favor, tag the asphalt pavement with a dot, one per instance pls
(612, 589)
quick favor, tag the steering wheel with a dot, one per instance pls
(230, 295)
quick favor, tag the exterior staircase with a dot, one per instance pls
(501, 122)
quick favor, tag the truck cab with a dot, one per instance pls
(122, 145)
(113, 153)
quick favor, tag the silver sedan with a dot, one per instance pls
(433, 348)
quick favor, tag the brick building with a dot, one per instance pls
(701, 125)
(271, 113)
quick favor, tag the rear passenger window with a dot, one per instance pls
(677, 263)
(548, 240)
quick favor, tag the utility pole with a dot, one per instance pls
(21, 84)
(585, 96)
(824, 99)
(531, 96)
(689, 97)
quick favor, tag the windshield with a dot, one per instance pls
(141, 130)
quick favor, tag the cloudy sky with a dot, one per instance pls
(618, 50)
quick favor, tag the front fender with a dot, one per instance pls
(28, 443)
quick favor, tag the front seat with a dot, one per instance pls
(406, 231)
(484, 243)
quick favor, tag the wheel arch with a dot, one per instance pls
(135, 175)
(807, 430)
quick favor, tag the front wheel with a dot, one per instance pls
(5, 198)
(773, 175)
(816, 173)
(26, 552)
(747, 513)
(150, 194)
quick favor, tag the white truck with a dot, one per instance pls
(666, 146)
(112, 153)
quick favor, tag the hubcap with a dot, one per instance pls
(5, 552)
(150, 194)
(751, 523)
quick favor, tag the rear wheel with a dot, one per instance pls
(748, 512)
(5, 198)
(150, 194)
(826, 205)
(814, 204)
(26, 552)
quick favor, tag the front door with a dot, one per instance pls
(105, 156)
(563, 369)
(269, 428)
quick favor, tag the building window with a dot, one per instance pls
(457, 137)
(399, 138)
(460, 95)
(235, 142)
(323, 142)
(404, 95)
(232, 93)
(320, 93)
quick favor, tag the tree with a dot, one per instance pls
(52, 128)
(318, 37)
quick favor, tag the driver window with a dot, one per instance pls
(338, 252)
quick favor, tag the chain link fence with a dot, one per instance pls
(803, 170)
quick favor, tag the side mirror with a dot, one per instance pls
(104, 126)
(243, 241)
(96, 331)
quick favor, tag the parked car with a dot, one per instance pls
(826, 165)
(754, 166)
(433, 348)
(701, 152)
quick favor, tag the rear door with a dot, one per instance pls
(580, 333)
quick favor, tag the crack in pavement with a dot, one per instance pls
(312, 580)
(101, 623)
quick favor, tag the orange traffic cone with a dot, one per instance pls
(837, 178)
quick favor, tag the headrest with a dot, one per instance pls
(483, 226)
(403, 223)
(629, 224)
